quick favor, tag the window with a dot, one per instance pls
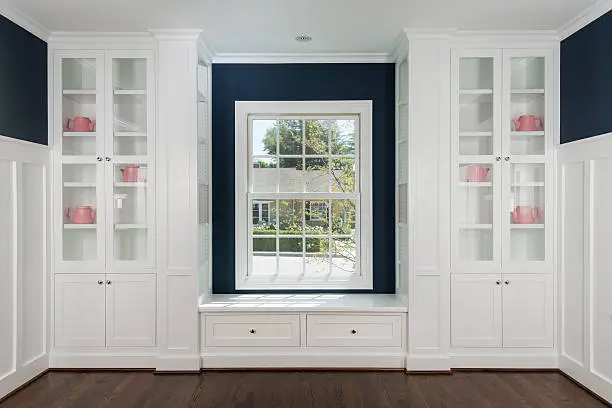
(303, 168)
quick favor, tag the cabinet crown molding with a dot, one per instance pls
(24, 21)
(176, 35)
(590, 14)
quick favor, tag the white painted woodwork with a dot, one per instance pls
(24, 241)
(252, 330)
(79, 312)
(585, 198)
(528, 310)
(130, 310)
(476, 310)
(325, 330)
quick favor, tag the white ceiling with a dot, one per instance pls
(269, 26)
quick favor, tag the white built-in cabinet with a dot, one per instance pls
(502, 198)
(104, 199)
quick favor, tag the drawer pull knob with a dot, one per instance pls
(252, 331)
(353, 331)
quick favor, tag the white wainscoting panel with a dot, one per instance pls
(585, 169)
(23, 262)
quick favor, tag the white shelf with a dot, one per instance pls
(475, 184)
(131, 184)
(80, 226)
(79, 134)
(527, 91)
(130, 226)
(130, 134)
(130, 92)
(476, 226)
(476, 92)
(527, 134)
(475, 134)
(529, 184)
(527, 226)
(79, 92)
(78, 184)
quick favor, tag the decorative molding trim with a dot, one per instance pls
(98, 37)
(302, 58)
(176, 35)
(299, 360)
(506, 35)
(593, 139)
(585, 18)
(400, 48)
(24, 21)
(7, 139)
(586, 378)
(177, 363)
(516, 361)
(206, 53)
(22, 376)
(101, 361)
(427, 363)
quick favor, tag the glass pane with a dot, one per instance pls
(343, 137)
(476, 73)
(528, 73)
(476, 106)
(343, 258)
(130, 74)
(265, 175)
(264, 257)
(291, 175)
(264, 138)
(318, 133)
(79, 209)
(527, 211)
(79, 74)
(317, 175)
(475, 244)
(343, 217)
(130, 212)
(130, 106)
(290, 137)
(316, 215)
(343, 175)
(79, 109)
(263, 214)
(528, 105)
(290, 214)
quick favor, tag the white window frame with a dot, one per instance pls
(361, 109)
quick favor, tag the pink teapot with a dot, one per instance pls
(528, 123)
(80, 124)
(130, 173)
(526, 214)
(476, 173)
(81, 215)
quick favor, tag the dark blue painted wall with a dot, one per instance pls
(23, 84)
(284, 82)
(586, 81)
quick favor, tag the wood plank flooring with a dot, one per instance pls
(301, 390)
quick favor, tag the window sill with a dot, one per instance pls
(348, 303)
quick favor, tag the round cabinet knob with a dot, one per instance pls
(100, 282)
(252, 331)
(498, 282)
(108, 159)
(507, 282)
(353, 331)
(108, 282)
(507, 158)
(98, 158)
(498, 158)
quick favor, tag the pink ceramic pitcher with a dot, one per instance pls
(528, 123)
(130, 173)
(80, 124)
(476, 173)
(525, 214)
(81, 215)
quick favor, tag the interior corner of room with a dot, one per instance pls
(173, 200)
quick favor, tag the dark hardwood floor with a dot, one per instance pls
(301, 389)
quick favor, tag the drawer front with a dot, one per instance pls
(354, 331)
(244, 330)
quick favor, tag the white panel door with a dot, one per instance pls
(528, 310)
(130, 310)
(476, 319)
(79, 310)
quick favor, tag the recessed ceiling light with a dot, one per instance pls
(304, 38)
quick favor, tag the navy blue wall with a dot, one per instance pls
(586, 81)
(23, 84)
(284, 82)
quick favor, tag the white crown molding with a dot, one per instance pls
(206, 53)
(506, 35)
(24, 21)
(176, 35)
(98, 37)
(400, 49)
(301, 58)
(585, 18)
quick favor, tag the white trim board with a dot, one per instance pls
(24, 21)
(301, 58)
(585, 18)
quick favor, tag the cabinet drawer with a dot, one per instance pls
(245, 330)
(354, 331)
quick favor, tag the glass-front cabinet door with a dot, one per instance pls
(527, 141)
(129, 173)
(79, 139)
(476, 171)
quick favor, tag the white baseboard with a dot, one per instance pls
(510, 361)
(586, 377)
(170, 363)
(22, 375)
(302, 360)
(427, 363)
(101, 361)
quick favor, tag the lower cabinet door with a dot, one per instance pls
(130, 310)
(528, 310)
(476, 319)
(79, 310)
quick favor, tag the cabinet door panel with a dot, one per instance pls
(130, 310)
(475, 311)
(528, 311)
(79, 310)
